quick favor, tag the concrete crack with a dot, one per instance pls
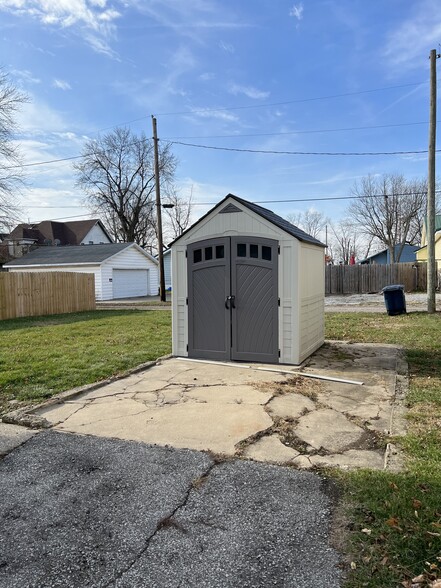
(107, 396)
(165, 523)
(115, 418)
(86, 403)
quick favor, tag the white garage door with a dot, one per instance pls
(128, 283)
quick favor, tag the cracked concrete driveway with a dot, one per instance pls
(242, 411)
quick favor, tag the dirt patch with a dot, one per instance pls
(285, 430)
(296, 385)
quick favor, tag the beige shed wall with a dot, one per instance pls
(311, 283)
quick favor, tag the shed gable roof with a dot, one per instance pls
(268, 215)
(76, 254)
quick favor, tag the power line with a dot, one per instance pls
(250, 106)
(301, 132)
(327, 153)
(75, 216)
(297, 101)
(43, 162)
(217, 148)
(312, 199)
(322, 198)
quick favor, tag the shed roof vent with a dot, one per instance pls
(229, 208)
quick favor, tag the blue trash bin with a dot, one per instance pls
(394, 299)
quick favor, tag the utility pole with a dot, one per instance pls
(430, 220)
(158, 214)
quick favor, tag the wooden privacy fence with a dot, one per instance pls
(42, 293)
(368, 279)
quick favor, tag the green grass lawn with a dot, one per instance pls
(395, 519)
(41, 356)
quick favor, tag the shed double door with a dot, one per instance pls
(233, 299)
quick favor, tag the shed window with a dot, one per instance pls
(208, 253)
(220, 252)
(254, 251)
(266, 253)
(197, 255)
(241, 250)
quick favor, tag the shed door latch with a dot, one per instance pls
(228, 300)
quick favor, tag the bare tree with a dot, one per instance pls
(177, 213)
(10, 164)
(390, 209)
(311, 221)
(343, 242)
(116, 172)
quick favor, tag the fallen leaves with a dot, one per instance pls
(394, 523)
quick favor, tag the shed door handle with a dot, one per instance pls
(230, 299)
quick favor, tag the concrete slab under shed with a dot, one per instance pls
(243, 411)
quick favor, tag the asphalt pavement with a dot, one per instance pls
(79, 511)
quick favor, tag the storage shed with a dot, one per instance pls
(248, 286)
(122, 270)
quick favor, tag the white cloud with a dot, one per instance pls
(88, 15)
(297, 11)
(35, 116)
(63, 12)
(61, 84)
(50, 203)
(109, 15)
(408, 46)
(227, 47)
(218, 114)
(25, 76)
(248, 91)
(188, 18)
(100, 45)
(207, 76)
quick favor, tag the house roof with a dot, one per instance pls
(383, 251)
(70, 255)
(165, 252)
(266, 214)
(69, 233)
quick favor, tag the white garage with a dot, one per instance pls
(122, 270)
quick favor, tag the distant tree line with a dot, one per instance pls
(386, 213)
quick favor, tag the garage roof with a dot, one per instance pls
(69, 255)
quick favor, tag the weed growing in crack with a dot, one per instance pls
(170, 523)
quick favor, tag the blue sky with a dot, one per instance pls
(262, 75)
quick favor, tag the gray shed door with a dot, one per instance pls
(233, 299)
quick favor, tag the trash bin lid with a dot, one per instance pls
(393, 288)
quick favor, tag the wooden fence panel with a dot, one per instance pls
(369, 279)
(43, 293)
